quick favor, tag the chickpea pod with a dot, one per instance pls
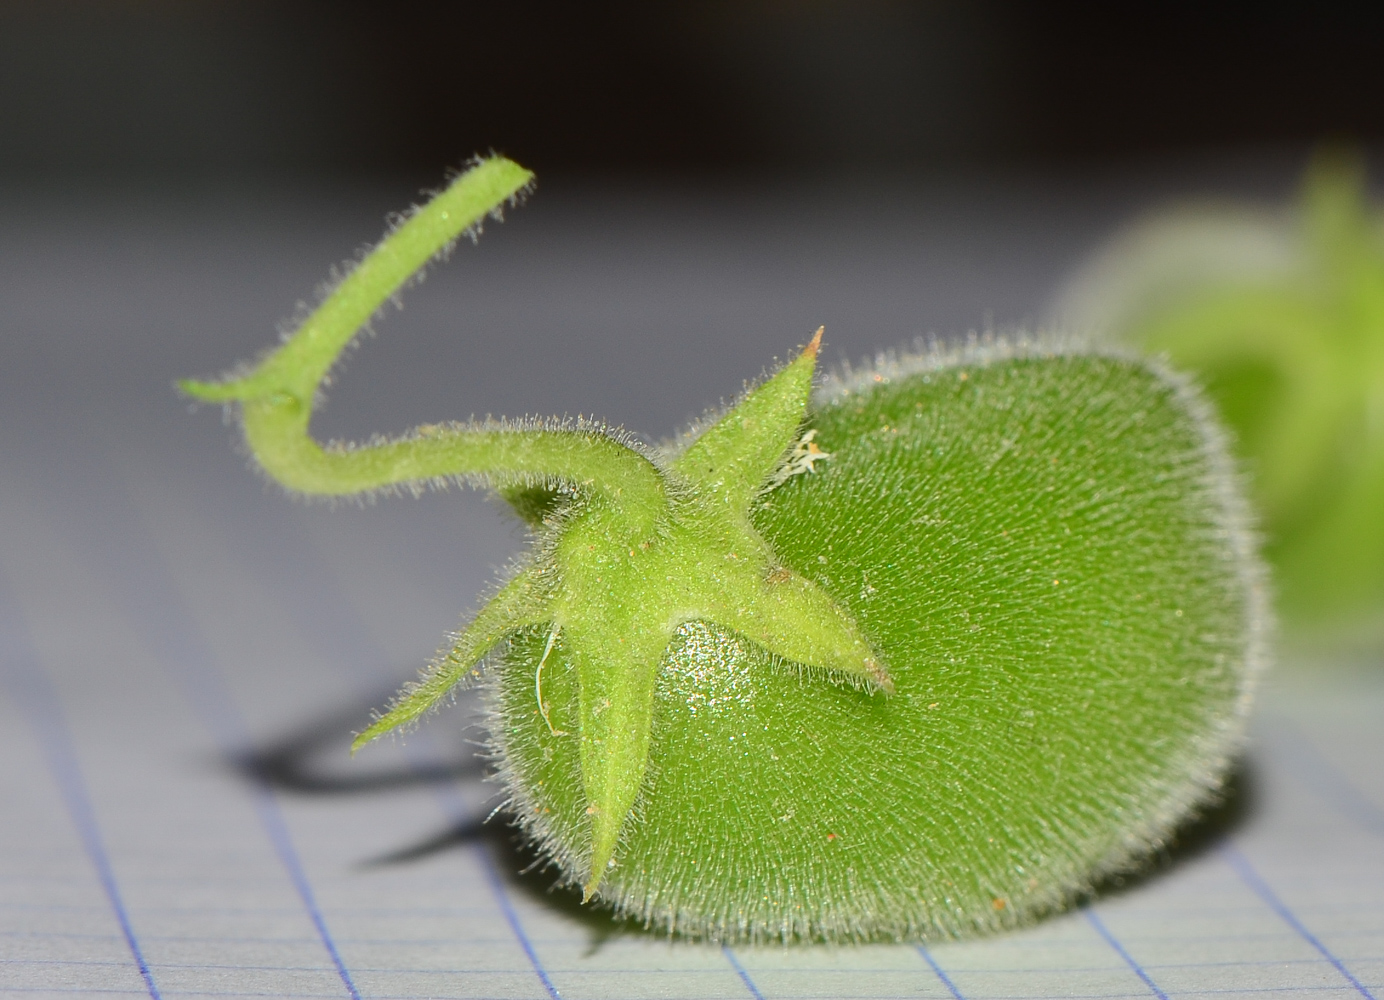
(925, 651)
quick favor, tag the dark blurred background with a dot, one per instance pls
(168, 91)
(716, 178)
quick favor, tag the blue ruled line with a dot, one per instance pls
(493, 877)
(941, 974)
(272, 818)
(353, 647)
(1252, 878)
(29, 686)
(115, 537)
(454, 808)
(740, 970)
(1113, 942)
(450, 804)
(213, 702)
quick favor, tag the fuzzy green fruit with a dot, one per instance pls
(1048, 552)
(925, 657)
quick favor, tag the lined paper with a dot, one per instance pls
(184, 654)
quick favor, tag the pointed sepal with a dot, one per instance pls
(736, 456)
(796, 620)
(519, 603)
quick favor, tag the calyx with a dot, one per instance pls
(618, 573)
(634, 547)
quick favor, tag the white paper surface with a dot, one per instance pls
(163, 615)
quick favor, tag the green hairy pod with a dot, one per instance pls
(926, 649)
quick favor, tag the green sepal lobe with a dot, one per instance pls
(630, 548)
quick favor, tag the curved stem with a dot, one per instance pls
(277, 432)
(523, 601)
(300, 363)
(277, 396)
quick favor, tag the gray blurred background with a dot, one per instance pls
(715, 180)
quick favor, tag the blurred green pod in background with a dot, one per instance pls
(1281, 316)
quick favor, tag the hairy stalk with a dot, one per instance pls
(277, 397)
